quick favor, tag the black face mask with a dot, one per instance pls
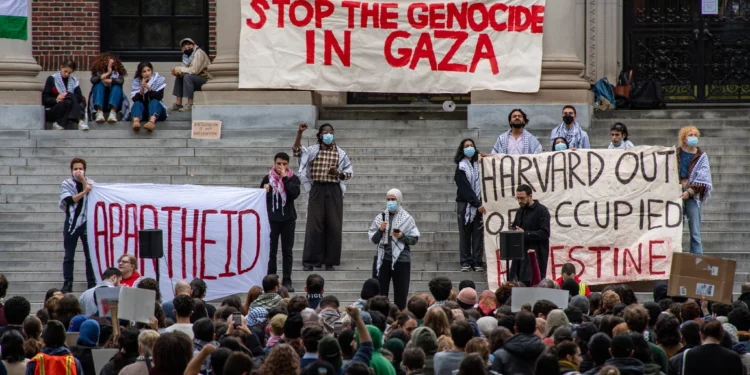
(517, 125)
(188, 52)
(568, 119)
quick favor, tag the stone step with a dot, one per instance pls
(388, 125)
(392, 112)
(96, 152)
(691, 114)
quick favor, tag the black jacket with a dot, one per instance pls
(288, 212)
(465, 191)
(627, 366)
(534, 221)
(518, 355)
(49, 94)
(111, 369)
(96, 77)
(83, 354)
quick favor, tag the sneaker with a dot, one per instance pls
(479, 269)
(288, 287)
(83, 126)
(57, 126)
(175, 107)
(330, 268)
(99, 117)
(67, 288)
(187, 108)
(465, 269)
(112, 117)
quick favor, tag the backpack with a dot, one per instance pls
(603, 89)
(647, 95)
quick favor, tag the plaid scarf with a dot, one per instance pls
(60, 84)
(279, 191)
(572, 135)
(401, 220)
(701, 175)
(472, 174)
(530, 144)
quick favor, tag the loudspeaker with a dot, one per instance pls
(150, 242)
(511, 245)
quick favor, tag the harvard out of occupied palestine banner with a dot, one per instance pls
(401, 46)
(615, 214)
(219, 234)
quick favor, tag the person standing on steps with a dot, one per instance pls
(393, 231)
(517, 141)
(570, 130)
(147, 92)
(533, 220)
(619, 133)
(469, 207)
(191, 75)
(323, 168)
(74, 194)
(62, 98)
(282, 188)
(695, 177)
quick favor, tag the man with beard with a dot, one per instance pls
(533, 220)
(570, 130)
(517, 140)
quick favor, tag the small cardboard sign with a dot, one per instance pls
(206, 129)
(698, 276)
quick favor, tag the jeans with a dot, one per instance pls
(99, 96)
(284, 229)
(154, 108)
(70, 241)
(470, 238)
(401, 276)
(692, 210)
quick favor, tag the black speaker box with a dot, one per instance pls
(150, 242)
(511, 245)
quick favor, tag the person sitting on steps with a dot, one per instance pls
(191, 75)
(107, 77)
(62, 98)
(147, 92)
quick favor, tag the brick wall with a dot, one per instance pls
(69, 29)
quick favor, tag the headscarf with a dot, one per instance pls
(487, 302)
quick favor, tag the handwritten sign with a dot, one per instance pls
(206, 130)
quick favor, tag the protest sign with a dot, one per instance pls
(405, 46)
(523, 296)
(103, 297)
(614, 214)
(136, 304)
(700, 276)
(219, 234)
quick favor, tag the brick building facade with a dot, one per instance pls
(135, 29)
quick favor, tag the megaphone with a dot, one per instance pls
(449, 106)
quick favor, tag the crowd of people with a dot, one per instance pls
(448, 331)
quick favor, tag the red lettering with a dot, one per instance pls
(192, 239)
(373, 13)
(616, 260)
(554, 265)
(281, 4)
(437, 17)
(404, 53)
(131, 208)
(484, 51)
(323, 9)
(460, 37)
(424, 50)
(651, 256)
(310, 43)
(457, 15)
(350, 6)
(582, 267)
(499, 7)
(100, 233)
(388, 19)
(511, 14)
(417, 21)
(143, 226)
(599, 250)
(240, 271)
(537, 19)
(636, 265)
(500, 270)
(521, 19)
(305, 20)
(205, 241)
(473, 8)
(170, 210)
(331, 44)
(226, 272)
(109, 258)
(260, 7)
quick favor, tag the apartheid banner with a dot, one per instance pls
(615, 214)
(218, 234)
(400, 46)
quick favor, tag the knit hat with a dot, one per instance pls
(395, 346)
(89, 333)
(293, 326)
(584, 331)
(467, 296)
(371, 288)
(486, 325)
(555, 319)
(75, 323)
(660, 291)
(309, 316)
(487, 302)
(731, 330)
(581, 303)
(257, 315)
(396, 193)
(425, 339)
(330, 351)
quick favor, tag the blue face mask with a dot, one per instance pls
(692, 141)
(469, 152)
(328, 138)
(392, 206)
(561, 147)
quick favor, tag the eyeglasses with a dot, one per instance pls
(521, 198)
(123, 261)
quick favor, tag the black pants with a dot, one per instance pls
(325, 213)
(401, 276)
(470, 238)
(65, 111)
(285, 230)
(70, 241)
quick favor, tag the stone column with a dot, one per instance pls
(221, 98)
(604, 39)
(20, 90)
(561, 81)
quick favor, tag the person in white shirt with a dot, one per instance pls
(183, 309)
(619, 133)
(517, 140)
(111, 278)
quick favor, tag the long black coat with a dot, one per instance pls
(534, 221)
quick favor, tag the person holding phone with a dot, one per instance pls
(74, 201)
(393, 231)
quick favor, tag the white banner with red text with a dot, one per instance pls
(614, 214)
(397, 46)
(218, 234)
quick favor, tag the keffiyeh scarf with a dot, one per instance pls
(188, 59)
(257, 315)
(60, 84)
(572, 135)
(530, 144)
(157, 83)
(279, 191)
(472, 174)
(701, 176)
(401, 220)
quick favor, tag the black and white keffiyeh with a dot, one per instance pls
(471, 169)
(701, 176)
(60, 84)
(574, 135)
(530, 144)
(401, 220)
(157, 83)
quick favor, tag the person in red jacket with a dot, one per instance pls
(569, 272)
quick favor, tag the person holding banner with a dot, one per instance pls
(323, 168)
(73, 201)
(570, 130)
(517, 141)
(469, 207)
(533, 220)
(394, 230)
(695, 177)
(619, 133)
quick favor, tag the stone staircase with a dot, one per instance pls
(391, 150)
